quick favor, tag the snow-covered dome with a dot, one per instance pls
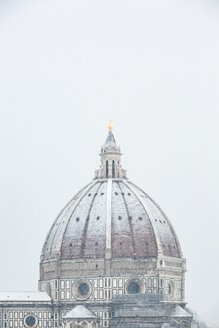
(111, 218)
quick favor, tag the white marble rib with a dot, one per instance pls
(109, 215)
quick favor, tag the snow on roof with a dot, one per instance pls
(24, 296)
(178, 311)
(80, 312)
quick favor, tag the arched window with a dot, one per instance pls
(107, 169)
(113, 170)
(74, 325)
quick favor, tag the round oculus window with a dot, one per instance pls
(134, 286)
(82, 289)
(30, 320)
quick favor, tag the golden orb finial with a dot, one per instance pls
(110, 125)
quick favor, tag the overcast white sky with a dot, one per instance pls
(66, 68)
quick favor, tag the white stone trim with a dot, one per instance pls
(109, 216)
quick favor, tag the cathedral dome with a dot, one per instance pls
(111, 218)
(111, 215)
